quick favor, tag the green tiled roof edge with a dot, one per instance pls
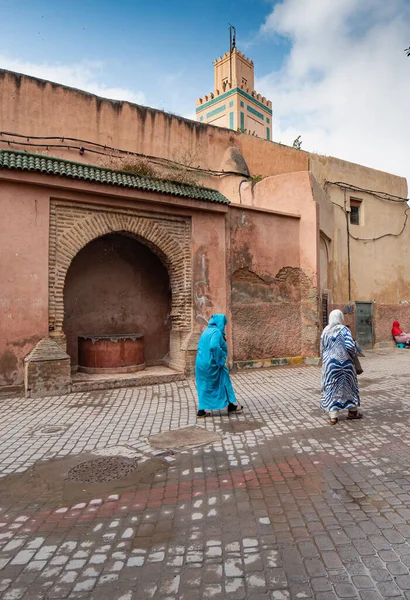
(50, 165)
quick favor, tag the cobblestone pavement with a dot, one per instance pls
(281, 505)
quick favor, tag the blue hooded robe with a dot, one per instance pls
(213, 383)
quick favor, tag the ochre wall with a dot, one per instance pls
(332, 169)
(380, 269)
(117, 285)
(23, 276)
(327, 210)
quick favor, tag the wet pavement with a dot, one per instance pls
(270, 504)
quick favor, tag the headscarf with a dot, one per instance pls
(218, 320)
(396, 329)
(336, 324)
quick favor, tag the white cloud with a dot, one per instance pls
(345, 85)
(83, 76)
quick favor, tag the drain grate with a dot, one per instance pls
(103, 469)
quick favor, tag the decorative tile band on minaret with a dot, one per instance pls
(234, 103)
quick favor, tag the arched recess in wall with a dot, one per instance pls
(72, 227)
(324, 262)
(117, 285)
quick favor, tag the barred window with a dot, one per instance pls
(355, 211)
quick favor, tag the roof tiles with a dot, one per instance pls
(49, 165)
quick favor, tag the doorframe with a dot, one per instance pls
(372, 313)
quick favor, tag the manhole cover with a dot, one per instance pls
(103, 469)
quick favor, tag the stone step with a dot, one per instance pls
(111, 382)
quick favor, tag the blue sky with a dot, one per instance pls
(336, 71)
(146, 47)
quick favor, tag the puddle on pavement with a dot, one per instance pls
(48, 482)
(178, 438)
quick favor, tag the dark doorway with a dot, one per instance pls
(364, 324)
(324, 310)
(117, 285)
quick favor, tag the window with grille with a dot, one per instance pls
(355, 211)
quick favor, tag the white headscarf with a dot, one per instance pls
(336, 323)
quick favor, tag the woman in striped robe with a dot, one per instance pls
(339, 379)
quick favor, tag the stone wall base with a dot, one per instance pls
(385, 345)
(47, 370)
(11, 390)
(182, 352)
(267, 363)
(189, 347)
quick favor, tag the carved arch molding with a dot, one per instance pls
(73, 226)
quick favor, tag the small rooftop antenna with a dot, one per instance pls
(232, 45)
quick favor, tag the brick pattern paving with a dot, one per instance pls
(283, 506)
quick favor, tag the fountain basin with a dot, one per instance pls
(116, 353)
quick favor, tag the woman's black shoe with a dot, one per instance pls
(234, 408)
(201, 414)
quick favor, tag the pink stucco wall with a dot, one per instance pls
(265, 284)
(23, 276)
(209, 286)
(292, 194)
(249, 262)
(24, 235)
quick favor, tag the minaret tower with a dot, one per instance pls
(234, 103)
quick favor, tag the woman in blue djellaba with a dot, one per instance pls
(213, 383)
(339, 379)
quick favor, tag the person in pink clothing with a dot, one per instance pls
(399, 335)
